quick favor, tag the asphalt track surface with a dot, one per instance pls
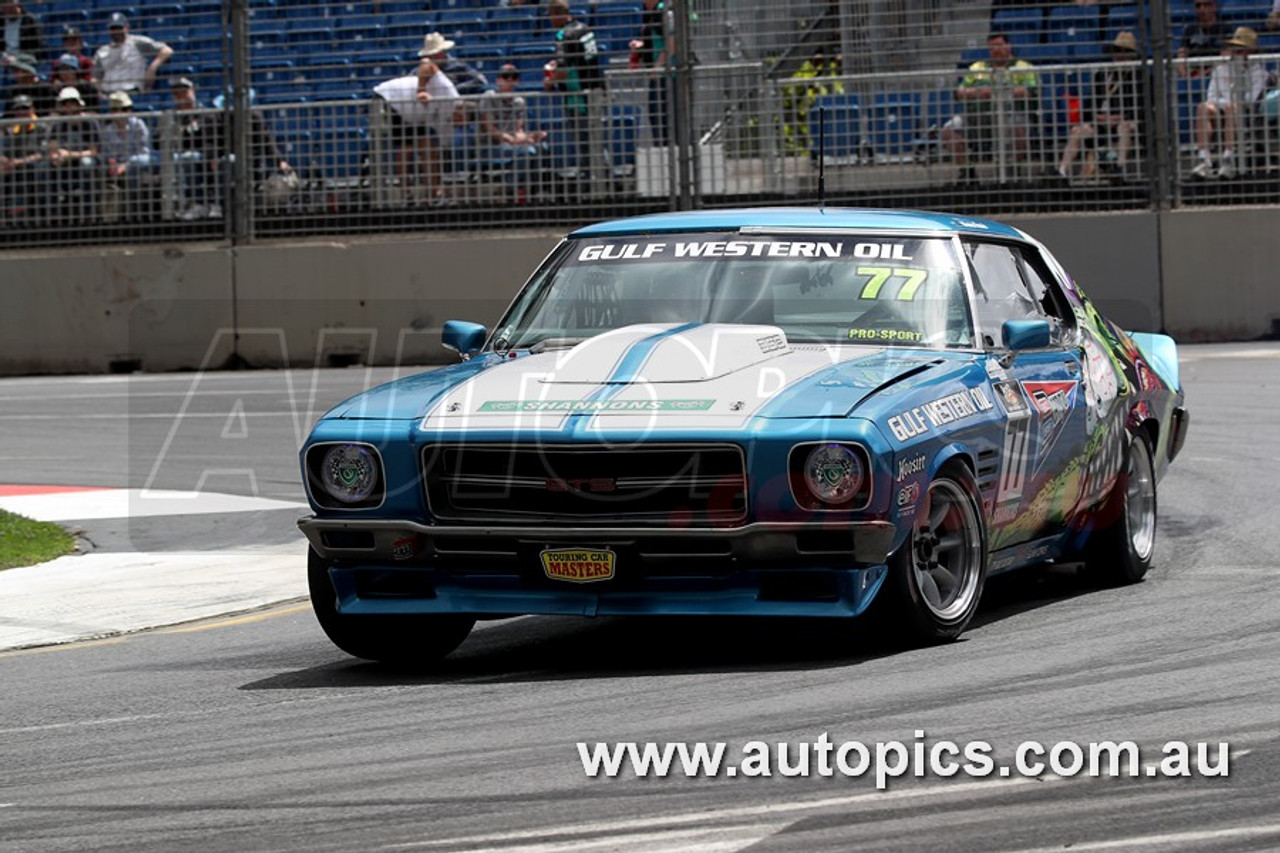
(252, 733)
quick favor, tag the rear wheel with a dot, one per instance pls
(1124, 536)
(403, 640)
(936, 578)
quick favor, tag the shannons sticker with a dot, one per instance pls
(596, 405)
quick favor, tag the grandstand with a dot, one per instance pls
(746, 114)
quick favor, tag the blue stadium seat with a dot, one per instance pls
(843, 118)
(461, 25)
(1044, 54)
(1252, 13)
(1076, 29)
(530, 59)
(1190, 94)
(1022, 26)
(893, 122)
(544, 109)
(294, 147)
(159, 17)
(970, 55)
(615, 23)
(1181, 12)
(622, 139)
(508, 24)
(1120, 19)
(340, 153)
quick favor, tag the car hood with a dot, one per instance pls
(719, 376)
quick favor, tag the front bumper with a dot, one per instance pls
(781, 568)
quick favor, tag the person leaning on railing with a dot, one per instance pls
(21, 160)
(1201, 38)
(1234, 86)
(1112, 113)
(124, 144)
(72, 146)
(421, 109)
(982, 92)
(502, 122)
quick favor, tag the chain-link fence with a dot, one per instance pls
(523, 117)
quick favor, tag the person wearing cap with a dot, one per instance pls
(26, 81)
(21, 32)
(1234, 86)
(1114, 108)
(122, 64)
(73, 45)
(66, 72)
(466, 79)
(72, 145)
(124, 145)
(502, 123)
(422, 108)
(1000, 79)
(21, 157)
(197, 152)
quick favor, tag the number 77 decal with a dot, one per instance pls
(877, 276)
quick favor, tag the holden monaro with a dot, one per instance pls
(758, 412)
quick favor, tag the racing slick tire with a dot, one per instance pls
(936, 577)
(1119, 548)
(399, 640)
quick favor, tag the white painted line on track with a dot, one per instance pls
(171, 416)
(1256, 353)
(766, 810)
(1164, 841)
(106, 721)
(137, 503)
(724, 839)
(129, 395)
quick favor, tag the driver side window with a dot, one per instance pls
(1000, 290)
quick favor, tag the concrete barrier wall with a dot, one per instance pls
(1221, 273)
(1202, 275)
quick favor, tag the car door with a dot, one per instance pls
(1039, 390)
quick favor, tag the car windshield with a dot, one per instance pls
(830, 289)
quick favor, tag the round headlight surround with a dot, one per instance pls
(350, 472)
(834, 473)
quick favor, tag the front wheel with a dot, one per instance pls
(403, 640)
(1124, 536)
(936, 578)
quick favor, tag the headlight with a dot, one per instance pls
(833, 473)
(349, 473)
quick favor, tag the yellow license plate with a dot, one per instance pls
(578, 565)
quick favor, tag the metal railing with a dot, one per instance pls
(349, 165)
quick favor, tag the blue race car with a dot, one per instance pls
(780, 412)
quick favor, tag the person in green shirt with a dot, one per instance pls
(1000, 81)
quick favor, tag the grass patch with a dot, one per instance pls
(24, 542)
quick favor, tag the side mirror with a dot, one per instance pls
(466, 339)
(1025, 334)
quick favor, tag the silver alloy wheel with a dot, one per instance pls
(946, 552)
(1140, 500)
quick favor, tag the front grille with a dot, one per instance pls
(678, 485)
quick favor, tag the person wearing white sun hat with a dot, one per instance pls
(421, 109)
